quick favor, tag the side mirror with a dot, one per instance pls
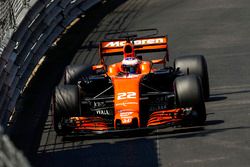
(98, 67)
(158, 61)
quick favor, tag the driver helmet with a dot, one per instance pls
(130, 65)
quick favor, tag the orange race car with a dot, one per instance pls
(133, 93)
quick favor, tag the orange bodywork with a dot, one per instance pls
(89, 124)
(127, 93)
(127, 98)
(127, 87)
(164, 117)
(127, 103)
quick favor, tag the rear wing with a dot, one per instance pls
(141, 45)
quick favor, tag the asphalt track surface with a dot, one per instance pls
(219, 30)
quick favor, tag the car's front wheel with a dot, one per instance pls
(66, 103)
(189, 94)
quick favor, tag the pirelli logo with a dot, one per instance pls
(150, 41)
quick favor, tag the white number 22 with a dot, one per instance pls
(126, 95)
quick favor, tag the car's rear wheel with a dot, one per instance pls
(197, 65)
(66, 103)
(188, 93)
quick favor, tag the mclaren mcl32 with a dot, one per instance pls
(133, 93)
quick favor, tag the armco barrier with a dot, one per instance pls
(29, 28)
(9, 155)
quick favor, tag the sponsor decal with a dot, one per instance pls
(126, 95)
(103, 112)
(126, 120)
(126, 103)
(98, 104)
(124, 110)
(128, 76)
(126, 114)
(136, 42)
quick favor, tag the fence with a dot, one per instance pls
(9, 12)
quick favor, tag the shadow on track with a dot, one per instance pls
(214, 122)
(197, 132)
(233, 92)
(214, 98)
(125, 150)
(122, 151)
(137, 152)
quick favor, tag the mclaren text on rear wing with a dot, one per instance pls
(141, 45)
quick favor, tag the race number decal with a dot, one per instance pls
(126, 120)
(126, 95)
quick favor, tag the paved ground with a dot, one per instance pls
(217, 29)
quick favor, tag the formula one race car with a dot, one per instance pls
(133, 93)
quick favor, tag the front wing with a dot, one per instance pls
(98, 125)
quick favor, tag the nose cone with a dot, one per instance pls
(127, 100)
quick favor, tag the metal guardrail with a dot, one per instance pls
(28, 28)
(9, 155)
(12, 13)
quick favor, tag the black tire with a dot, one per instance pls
(197, 65)
(188, 92)
(66, 103)
(74, 72)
